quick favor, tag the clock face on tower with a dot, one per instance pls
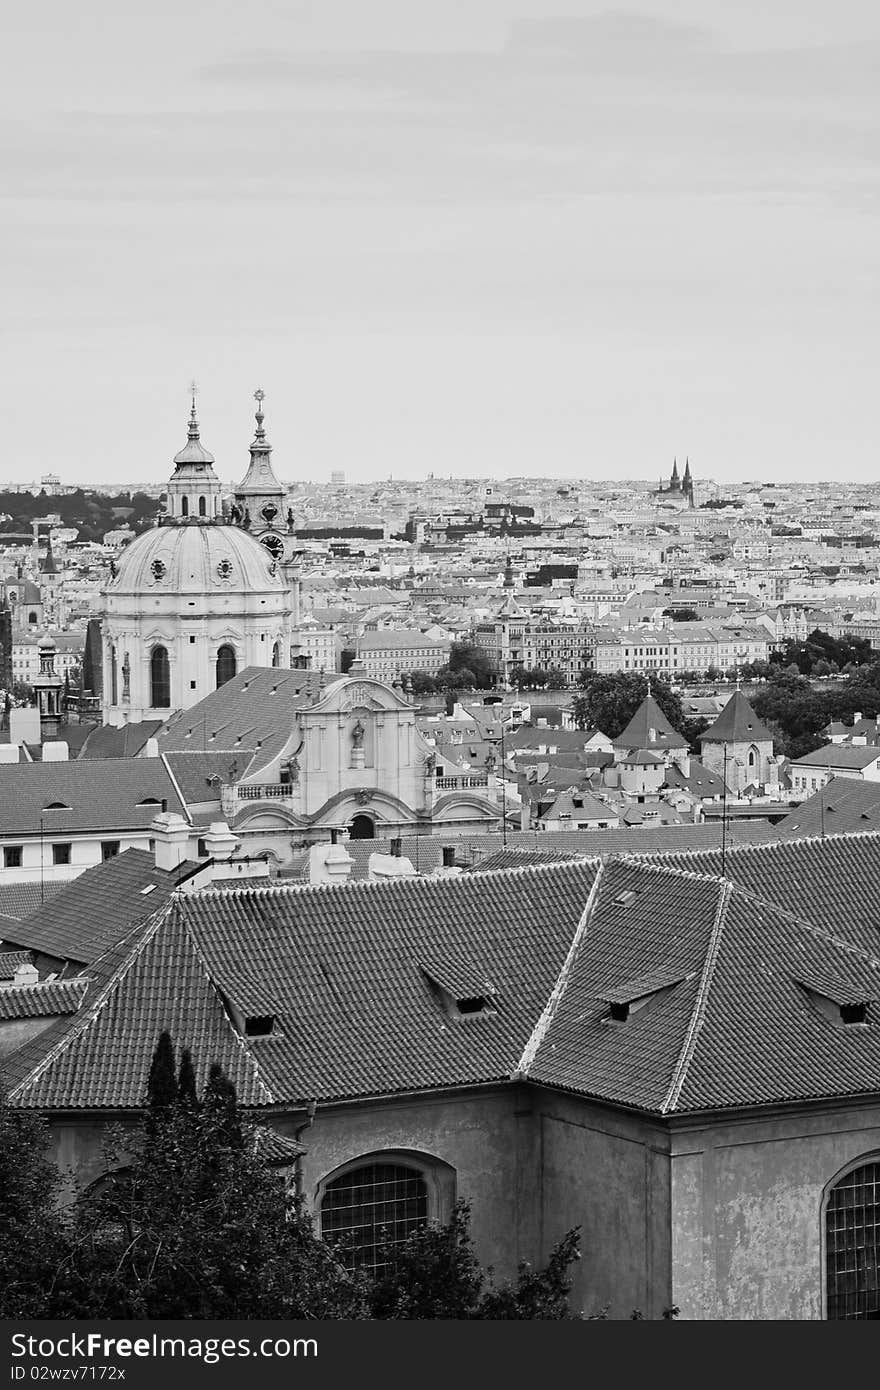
(274, 545)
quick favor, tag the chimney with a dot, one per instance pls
(56, 752)
(170, 833)
(220, 842)
(151, 748)
(25, 974)
(330, 863)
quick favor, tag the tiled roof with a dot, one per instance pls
(521, 859)
(99, 907)
(728, 969)
(11, 960)
(40, 1000)
(192, 771)
(100, 1058)
(104, 796)
(849, 755)
(843, 806)
(252, 711)
(649, 719)
(345, 965)
(737, 723)
(19, 900)
(105, 741)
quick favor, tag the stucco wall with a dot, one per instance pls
(747, 1210)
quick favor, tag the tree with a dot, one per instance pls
(609, 701)
(423, 683)
(556, 678)
(197, 1225)
(346, 657)
(436, 1274)
(468, 656)
(682, 615)
(32, 1235)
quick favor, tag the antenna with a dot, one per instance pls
(724, 815)
(503, 785)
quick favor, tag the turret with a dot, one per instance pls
(194, 488)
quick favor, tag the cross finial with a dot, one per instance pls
(193, 422)
(259, 397)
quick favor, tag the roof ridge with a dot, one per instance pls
(679, 1074)
(670, 868)
(93, 1010)
(536, 1037)
(178, 901)
(812, 927)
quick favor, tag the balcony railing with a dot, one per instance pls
(263, 791)
(457, 784)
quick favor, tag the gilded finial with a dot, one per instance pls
(193, 422)
(259, 397)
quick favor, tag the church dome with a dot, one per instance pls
(196, 558)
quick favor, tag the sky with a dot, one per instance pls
(468, 237)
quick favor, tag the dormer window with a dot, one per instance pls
(461, 993)
(259, 1026)
(853, 1013)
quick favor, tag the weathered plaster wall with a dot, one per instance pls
(747, 1199)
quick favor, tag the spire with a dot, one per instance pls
(193, 422)
(48, 565)
(260, 490)
(508, 574)
(674, 479)
(687, 470)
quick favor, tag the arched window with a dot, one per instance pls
(203, 507)
(372, 1208)
(753, 759)
(852, 1241)
(225, 664)
(32, 617)
(276, 654)
(160, 679)
(184, 506)
(362, 828)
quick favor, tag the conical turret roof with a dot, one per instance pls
(260, 479)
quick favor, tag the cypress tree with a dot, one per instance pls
(162, 1082)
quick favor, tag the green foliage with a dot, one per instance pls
(608, 702)
(820, 648)
(191, 1222)
(91, 513)
(346, 657)
(32, 1235)
(436, 1274)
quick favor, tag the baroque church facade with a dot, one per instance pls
(198, 598)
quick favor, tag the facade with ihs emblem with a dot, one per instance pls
(198, 598)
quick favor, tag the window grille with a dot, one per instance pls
(852, 1234)
(371, 1210)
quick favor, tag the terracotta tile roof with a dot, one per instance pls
(649, 719)
(843, 806)
(104, 796)
(37, 1001)
(522, 858)
(99, 907)
(848, 755)
(192, 771)
(256, 705)
(154, 979)
(11, 960)
(345, 964)
(722, 976)
(737, 723)
(19, 900)
(105, 741)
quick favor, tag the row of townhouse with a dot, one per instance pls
(391, 653)
(683, 647)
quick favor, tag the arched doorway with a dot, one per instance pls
(362, 828)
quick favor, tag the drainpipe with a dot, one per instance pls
(301, 1129)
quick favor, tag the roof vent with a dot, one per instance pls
(626, 897)
(460, 991)
(57, 806)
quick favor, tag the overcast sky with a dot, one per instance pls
(462, 236)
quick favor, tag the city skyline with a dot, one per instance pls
(463, 239)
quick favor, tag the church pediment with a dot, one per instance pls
(345, 695)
